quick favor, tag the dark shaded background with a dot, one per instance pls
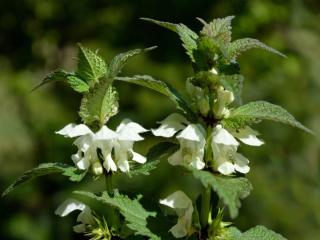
(38, 36)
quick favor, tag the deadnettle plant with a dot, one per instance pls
(200, 141)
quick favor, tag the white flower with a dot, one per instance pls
(87, 152)
(116, 146)
(85, 218)
(128, 133)
(224, 148)
(223, 99)
(191, 138)
(182, 205)
(248, 136)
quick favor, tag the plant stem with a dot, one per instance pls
(109, 183)
(205, 207)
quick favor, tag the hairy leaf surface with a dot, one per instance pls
(158, 86)
(260, 110)
(73, 173)
(131, 209)
(229, 189)
(91, 66)
(255, 233)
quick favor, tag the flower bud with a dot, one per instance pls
(97, 168)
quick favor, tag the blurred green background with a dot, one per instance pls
(38, 36)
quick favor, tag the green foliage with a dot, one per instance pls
(161, 87)
(133, 212)
(91, 67)
(218, 29)
(241, 45)
(118, 62)
(261, 110)
(77, 84)
(73, 173)
(155, 154)
(55, 76)
(99, 104)
(230, 190)
(187, 36)
(258, 232)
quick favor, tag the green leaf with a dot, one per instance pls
(256, 233)
(91, 66)
(133, 212)
(156, 153)
(229, 189)
(159, 86)
(241, 45)
(218, 29)
(118, 62)
(55, 76)
(187, 36)
(73, 173)
(77, 84)
(261, 110)
(99, 104)
(234, 84)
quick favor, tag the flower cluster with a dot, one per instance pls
(193, 139)
(116, 146)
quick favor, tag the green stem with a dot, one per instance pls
(109, 183)
(205, 207)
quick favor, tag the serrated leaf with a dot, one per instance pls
(241, 45)
(256, 233)
(91, 66)
(99, 104)
(55, 76)
(187, 36)
(118, 62)
(261, 110)
(73, 173)
(229, 189)
(218, 29)
(234, 84)
(161, 87)
(77, 84)
(131, 209)
(154, 155)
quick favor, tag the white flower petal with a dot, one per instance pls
(79, 228)
(179, 230)
(192, 132)
(105, 134)
(170, 125)
(82, 163)
(177, 199)
(176, 158)
(135, 127)
(123, 165)
(248, 136)
(69, 206)
(198, 164)
(73, 130)
(109, 163)
(86, 216)
(241, 163)
(138, 157)
(222, 136)
(226, 168)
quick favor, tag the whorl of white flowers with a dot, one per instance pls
(116, 146)
(192, 139)
(182, 205)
